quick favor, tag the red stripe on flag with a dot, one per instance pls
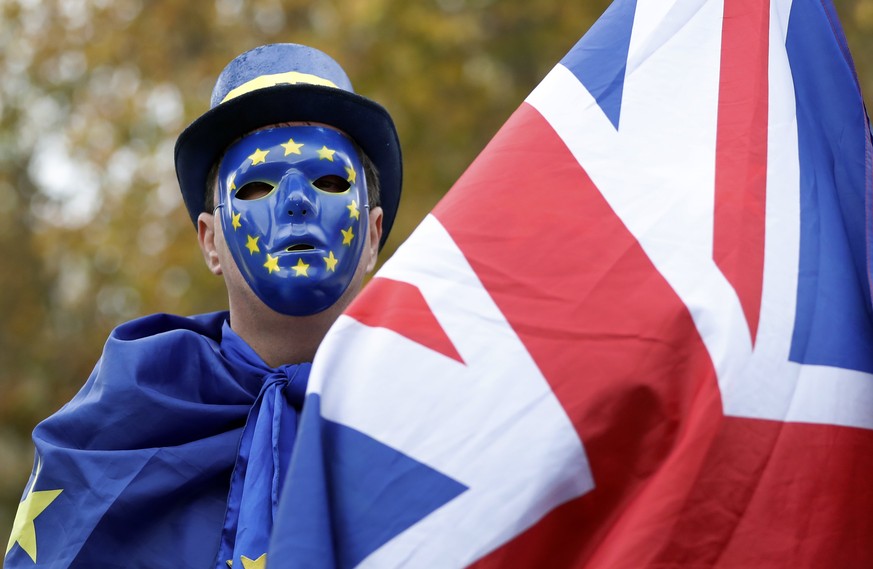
(400, 307)
(741, 152)
(614, 341)
(774, 494)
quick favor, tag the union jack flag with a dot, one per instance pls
(636, 333)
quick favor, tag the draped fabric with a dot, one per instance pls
(158, 460)
(264, 453)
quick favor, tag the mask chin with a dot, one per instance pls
(300, 300)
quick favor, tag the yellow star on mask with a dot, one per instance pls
(331, 261)
(352, 175)
(235, 221)
(231, 181)
(272, 263)
(291, 147)
(348, 235)
(259, 156)
(326, 153)
(301, 268)
(23, 530)
(353, 210)
(252, 245)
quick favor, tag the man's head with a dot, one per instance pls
(257, 96)
(294, 213)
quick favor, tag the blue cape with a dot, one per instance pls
(144, 455)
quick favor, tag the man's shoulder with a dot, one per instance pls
(159, 346)
(146, 363)
(162, 326)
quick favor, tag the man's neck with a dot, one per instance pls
(280, 339)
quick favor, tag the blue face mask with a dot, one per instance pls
(293, 210)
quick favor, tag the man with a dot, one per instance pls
(174, 452)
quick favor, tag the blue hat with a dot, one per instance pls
(281, 83)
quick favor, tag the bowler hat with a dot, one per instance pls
(279, 83)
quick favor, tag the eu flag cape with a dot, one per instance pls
(166, 457)
(636, 333)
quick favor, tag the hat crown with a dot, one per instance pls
(277, 64)
(281, 83)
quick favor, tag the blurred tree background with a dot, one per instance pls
(94, 92)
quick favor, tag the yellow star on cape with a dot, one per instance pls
(259, 563)
(353, 210)
(272, 263)
(235, 221)
(301, 268)
(259, 156)
(252, 245)
(23, 531)
(330, 260)
(348, 235)
(326, 153)
(291, 147)
(352, 175)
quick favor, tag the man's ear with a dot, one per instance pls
(206, 237)
(375, 229)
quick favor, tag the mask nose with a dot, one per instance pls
(299, 203)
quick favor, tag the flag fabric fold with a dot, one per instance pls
(136, 469)
(637, 332)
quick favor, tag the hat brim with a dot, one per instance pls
(204, 141)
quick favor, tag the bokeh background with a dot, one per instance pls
(93, 94)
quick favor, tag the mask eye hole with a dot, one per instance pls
(332, 184)
(253, 191)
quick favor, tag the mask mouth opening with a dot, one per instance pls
(300, 247)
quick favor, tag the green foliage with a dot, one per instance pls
(94, 93)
